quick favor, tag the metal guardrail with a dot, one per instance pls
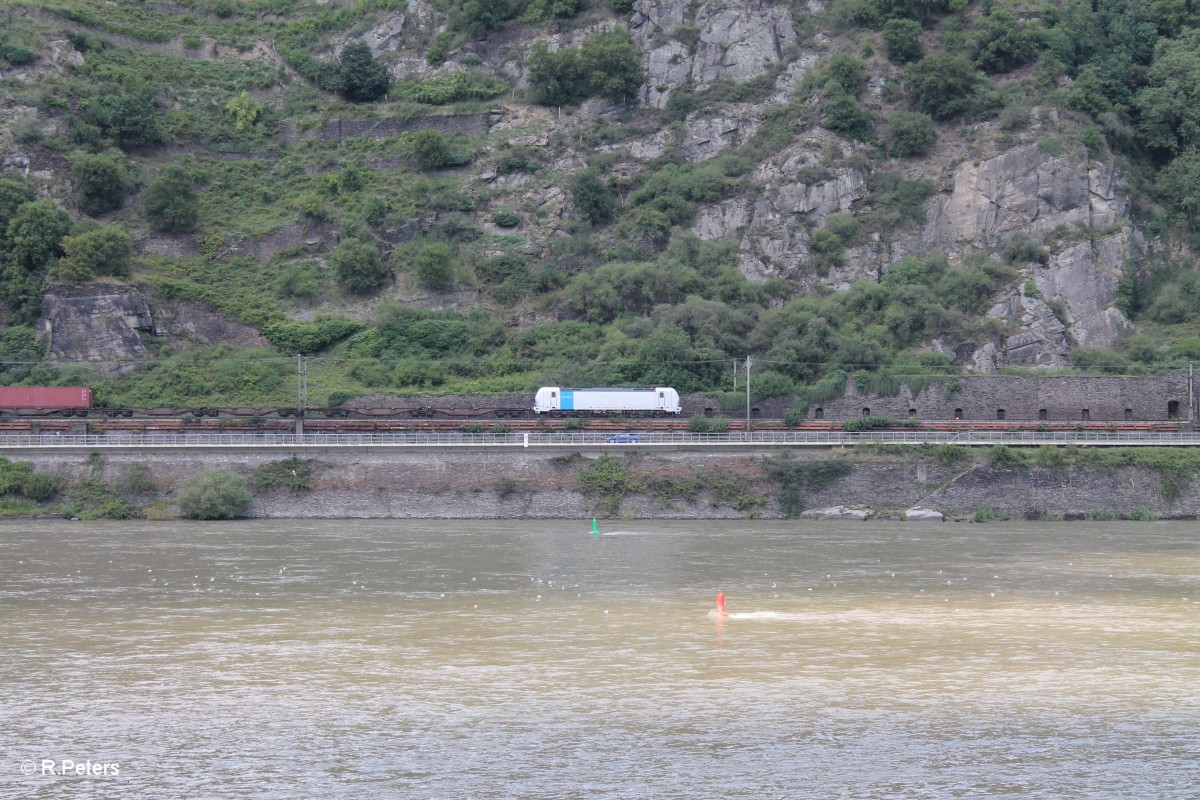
(561, 440)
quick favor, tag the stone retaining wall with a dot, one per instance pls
(533, 485)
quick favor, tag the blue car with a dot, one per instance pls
(624, 438)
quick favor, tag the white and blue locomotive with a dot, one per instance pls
(658, 401)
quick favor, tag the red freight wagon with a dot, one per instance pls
(45, 397)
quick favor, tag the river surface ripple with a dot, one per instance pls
(509, 659)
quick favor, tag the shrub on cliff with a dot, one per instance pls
(169, 202)
(607, 64)
(214, 494)
(103, 251)
(101, 181)
(358, 267)
(362, 78)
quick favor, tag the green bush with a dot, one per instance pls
(15, 55)
(593, 197)
(33, 238)
(943, 85)
(606, 63)
(358, 268)
(361, 79)
(431, 149)
(844, 116)
(432, 265)
(130, 120)
(1004, 43)
(103, 251)
(845, 75)
(449, 88)
(1005, 457)
(506, 218)
(310, 337)
(214, 494)
(291, 474)
(909, 134)
(546, 10)
(902, 41)
(169, 203)
(797, 478)
(14, 193)
(698, 424)
(101, 181)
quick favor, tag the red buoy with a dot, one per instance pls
(721, 604)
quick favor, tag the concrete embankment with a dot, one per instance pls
(513, 485)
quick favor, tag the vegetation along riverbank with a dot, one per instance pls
(958, 483)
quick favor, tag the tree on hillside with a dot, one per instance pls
(1170, 104)
(130, 120)
(910, 133)
(29, 246)
(169, 202)
(606, 63)
(943, 85)
(34, 235)
(101, 181)
(1004, 43)
(902, 41)
(14, 193)
(103, 251)
(593, 197)
(362, 78)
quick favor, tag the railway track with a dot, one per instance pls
(32, 425)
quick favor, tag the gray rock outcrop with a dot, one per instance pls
(839, 513)
(95, 322)
(1025, 190)
(104, 323)
(732, 41)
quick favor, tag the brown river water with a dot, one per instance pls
(480, 659)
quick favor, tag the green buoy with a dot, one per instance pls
(595, 528)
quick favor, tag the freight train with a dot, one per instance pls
(79, 401)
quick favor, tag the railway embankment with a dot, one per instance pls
(961, 483)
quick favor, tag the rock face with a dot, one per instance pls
(918, 514)
(732, 41)
(797, 195)
(105, 323)
(1040, 337)
(96, 322)
(1026, 190)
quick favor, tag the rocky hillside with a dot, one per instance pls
(470, 197)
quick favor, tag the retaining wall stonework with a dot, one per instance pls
(533, 486)
(1063, 399)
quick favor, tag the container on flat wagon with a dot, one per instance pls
(45, 397)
